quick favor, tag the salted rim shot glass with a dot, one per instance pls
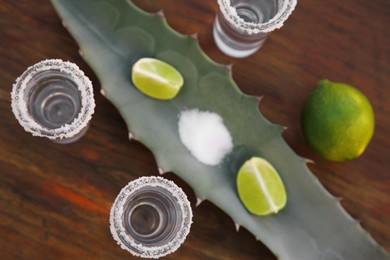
(151, 217)
(242, 26)
(53, 99)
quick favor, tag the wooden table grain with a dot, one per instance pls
(55, 199)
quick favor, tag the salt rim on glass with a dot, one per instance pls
(84, 86)
(275, 22)
(118, 230)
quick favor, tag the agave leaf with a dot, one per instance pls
(114, 34)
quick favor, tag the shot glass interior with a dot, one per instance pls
(53, 99)
(256, 16)
(150, 217)
(256, 11)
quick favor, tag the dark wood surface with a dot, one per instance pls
(55, 199)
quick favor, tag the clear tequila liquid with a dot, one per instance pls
(237, 39)
(150, 217)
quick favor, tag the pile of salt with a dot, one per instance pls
(204, 134)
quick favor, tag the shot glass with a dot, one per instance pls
(242, 26)
(150, 217)
(53, 99)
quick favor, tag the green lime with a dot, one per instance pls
(156, 78)
(337, 121)
(260, 188)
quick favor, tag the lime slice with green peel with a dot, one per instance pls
(337, 121)
(260, 188)
(156, 78)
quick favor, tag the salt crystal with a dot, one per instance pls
(205, 135)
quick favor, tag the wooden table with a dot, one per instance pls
(55, 199)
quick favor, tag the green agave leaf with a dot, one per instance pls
(114, 34)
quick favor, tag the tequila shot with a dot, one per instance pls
(53, 99)
(242, 26)
(151, 217)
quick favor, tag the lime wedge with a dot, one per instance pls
(156, 78)
(260, 188)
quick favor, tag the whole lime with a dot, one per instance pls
(337, 121)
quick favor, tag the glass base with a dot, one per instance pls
(72, 139)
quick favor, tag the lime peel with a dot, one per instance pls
(337, 121)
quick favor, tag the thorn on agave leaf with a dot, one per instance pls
(237, 226)
(229, 67)
(131, 136)
(161, 171)
(194, 36)
(198, 201)
(160, 13)
(259, 98)
(309, 161)
(103, 92)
